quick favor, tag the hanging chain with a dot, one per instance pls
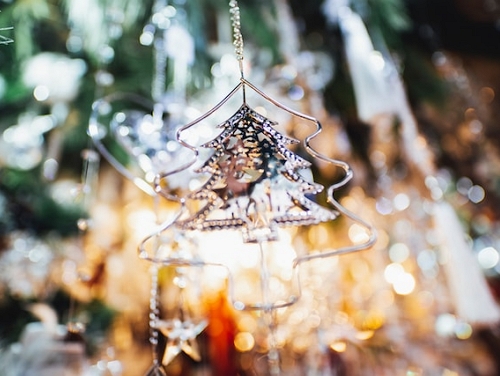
(237, 37)
(154, 313)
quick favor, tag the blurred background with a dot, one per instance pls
(406, 92)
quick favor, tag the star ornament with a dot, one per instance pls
(156, 370)
(181, 337)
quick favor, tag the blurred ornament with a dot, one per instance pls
(42, 351)
(471, 295)
(221, 332)
(379, 90)
(145, 129)
(94, 26)
(368, 70)
(145, 136)
(53, 77)
(181, 336)
(25, 267)
(22, 145)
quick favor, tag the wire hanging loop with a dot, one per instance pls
(237, 36)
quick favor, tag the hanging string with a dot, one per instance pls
(154, 312)
(273, 356)
(234, 9)
(160, 65)
(237, 37)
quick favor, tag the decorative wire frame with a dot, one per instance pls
(173, 223)
(348, 174)
(97, 132)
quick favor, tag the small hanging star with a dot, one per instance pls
(181, 337)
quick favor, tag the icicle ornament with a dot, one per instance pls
(472, 297)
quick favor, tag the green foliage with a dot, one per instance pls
(390, 17)
(24, 15)
(15, 315)
(423, 82)
(261, 33)
(13, 318)
(32, 208)
(95, 315)
(386, 15)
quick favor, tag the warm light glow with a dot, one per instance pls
(373, 320)
(463, 330)
(421, 142)
(358, 234)
(359, 269)
(385, 299)
(365, 334)
(141, 222)
(296, 317)
(244, 341)
(341, 318)
(404, 285)
(301, 344)
(318, 235)
(339, 346)
(487, 94)
(402, 282)
(392, 272)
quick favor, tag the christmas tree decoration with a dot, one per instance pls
(250, 163)
(255, 184)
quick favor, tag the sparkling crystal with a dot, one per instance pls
(255, 182)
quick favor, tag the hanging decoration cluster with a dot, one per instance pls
(250, 179)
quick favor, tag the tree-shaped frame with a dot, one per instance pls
(251, 161)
